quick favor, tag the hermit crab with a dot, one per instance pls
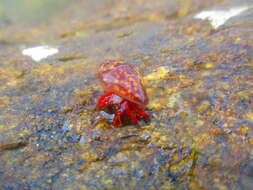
(125, 95)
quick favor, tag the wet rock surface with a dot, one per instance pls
(198, 79)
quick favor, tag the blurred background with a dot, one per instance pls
(28, 11)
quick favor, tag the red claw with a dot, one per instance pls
(126, 96)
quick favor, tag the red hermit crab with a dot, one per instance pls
(125, 96)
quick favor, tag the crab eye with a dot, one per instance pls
(117, 99)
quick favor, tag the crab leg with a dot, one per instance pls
(121, 109)
(139, 112)
(132, 115)
(117, 119)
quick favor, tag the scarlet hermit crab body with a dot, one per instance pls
(126, 97)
